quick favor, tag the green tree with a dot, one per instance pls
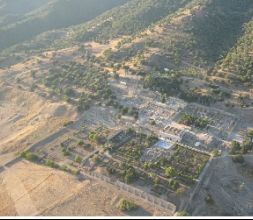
(235, 147)
(250, 135)
(247, 146)
(129, 175)
(126, 206)
(182, 213)
(30, 156)
(169, 172)
(95, 159)
(78, 159)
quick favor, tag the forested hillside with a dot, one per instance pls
(182, 35)
(128, 19)
(13, 10)
(220, 25)
(237, 65)
(198, 34)
(53, 14)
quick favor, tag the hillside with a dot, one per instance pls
(186, 35)
(220, 25)
(11, 11)
(188, 43)
(126, 107)
(128, 19)
(53, 14)
(237, 65)
(198, 34)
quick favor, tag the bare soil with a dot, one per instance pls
(29, 189)
(230, 186)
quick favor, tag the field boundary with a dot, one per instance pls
(136, 192)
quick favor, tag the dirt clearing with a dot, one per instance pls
(28, 189)
(227, 189)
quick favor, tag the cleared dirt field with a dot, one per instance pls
(227, 190)
(98, 49)
(28, 189)
(26, 117)
(98, 199)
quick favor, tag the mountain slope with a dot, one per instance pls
(237, 66)
(53, 14)
(196, 35)
(128, 19)
(221, 25)
(186, 35)
(12, 10)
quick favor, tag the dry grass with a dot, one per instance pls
(29, 189)
(25, 116)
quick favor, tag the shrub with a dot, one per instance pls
(238, 159)
(126, 206)
(169, 172)
(65, 152)
(64, 168)
(75, 172)
(95, 159)
(216, 153)
(80, 143)
(174, 184)
(180, 191)
(235, 147)
(51, 164)
(209, 199)
(66, 124)
(92, 136)
(78, 159)
(182, 213)
(129, 175)
(30, 156)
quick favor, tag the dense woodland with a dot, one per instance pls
(128, 19)
(218, 29)
(214, 35)
(239, 62)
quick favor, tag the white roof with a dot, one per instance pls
(197, 144)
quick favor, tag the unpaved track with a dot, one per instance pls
(14, 159)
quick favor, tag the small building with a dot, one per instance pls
(166, 70)
(128, 118)
(197, 144)
(117, 65)
(123, 83)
